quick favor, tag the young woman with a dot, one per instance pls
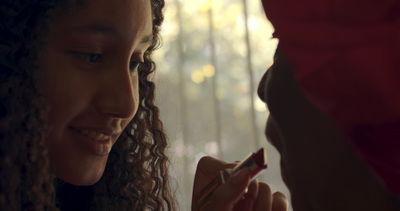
(79, 129)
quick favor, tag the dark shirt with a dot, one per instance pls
(71, 197)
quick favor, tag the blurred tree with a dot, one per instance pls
(210, 52)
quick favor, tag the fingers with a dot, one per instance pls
(260, 198)
(266, 201)
(209, 166)
(248, 200)
(228, 194)
(252, 190)
(279, 202)
(207, 169)
(232, 195)
(264, 198)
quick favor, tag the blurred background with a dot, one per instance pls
(213, 55)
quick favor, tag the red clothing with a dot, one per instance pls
(346, 58)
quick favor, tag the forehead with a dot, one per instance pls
(126, 17)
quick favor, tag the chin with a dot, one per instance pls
(85, 177)
(81, 181)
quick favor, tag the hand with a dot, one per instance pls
(232, 195)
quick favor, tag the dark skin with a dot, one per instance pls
(320, 168)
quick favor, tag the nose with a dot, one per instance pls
(118, 93)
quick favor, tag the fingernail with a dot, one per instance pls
(240, 177)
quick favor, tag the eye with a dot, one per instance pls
(90, 57)
(133, 66)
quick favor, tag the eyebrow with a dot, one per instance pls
(107, 30)
(147, 39)
(97, 27)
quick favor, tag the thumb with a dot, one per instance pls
(228, 194)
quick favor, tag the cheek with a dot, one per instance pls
(60, 82)
(67, 95)
(64, 93)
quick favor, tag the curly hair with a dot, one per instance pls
(136, 175)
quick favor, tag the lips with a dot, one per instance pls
(95, 135)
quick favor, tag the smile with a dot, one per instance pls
(94, 135)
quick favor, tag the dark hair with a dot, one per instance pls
(136, 175)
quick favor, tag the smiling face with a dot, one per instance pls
(90, 81)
